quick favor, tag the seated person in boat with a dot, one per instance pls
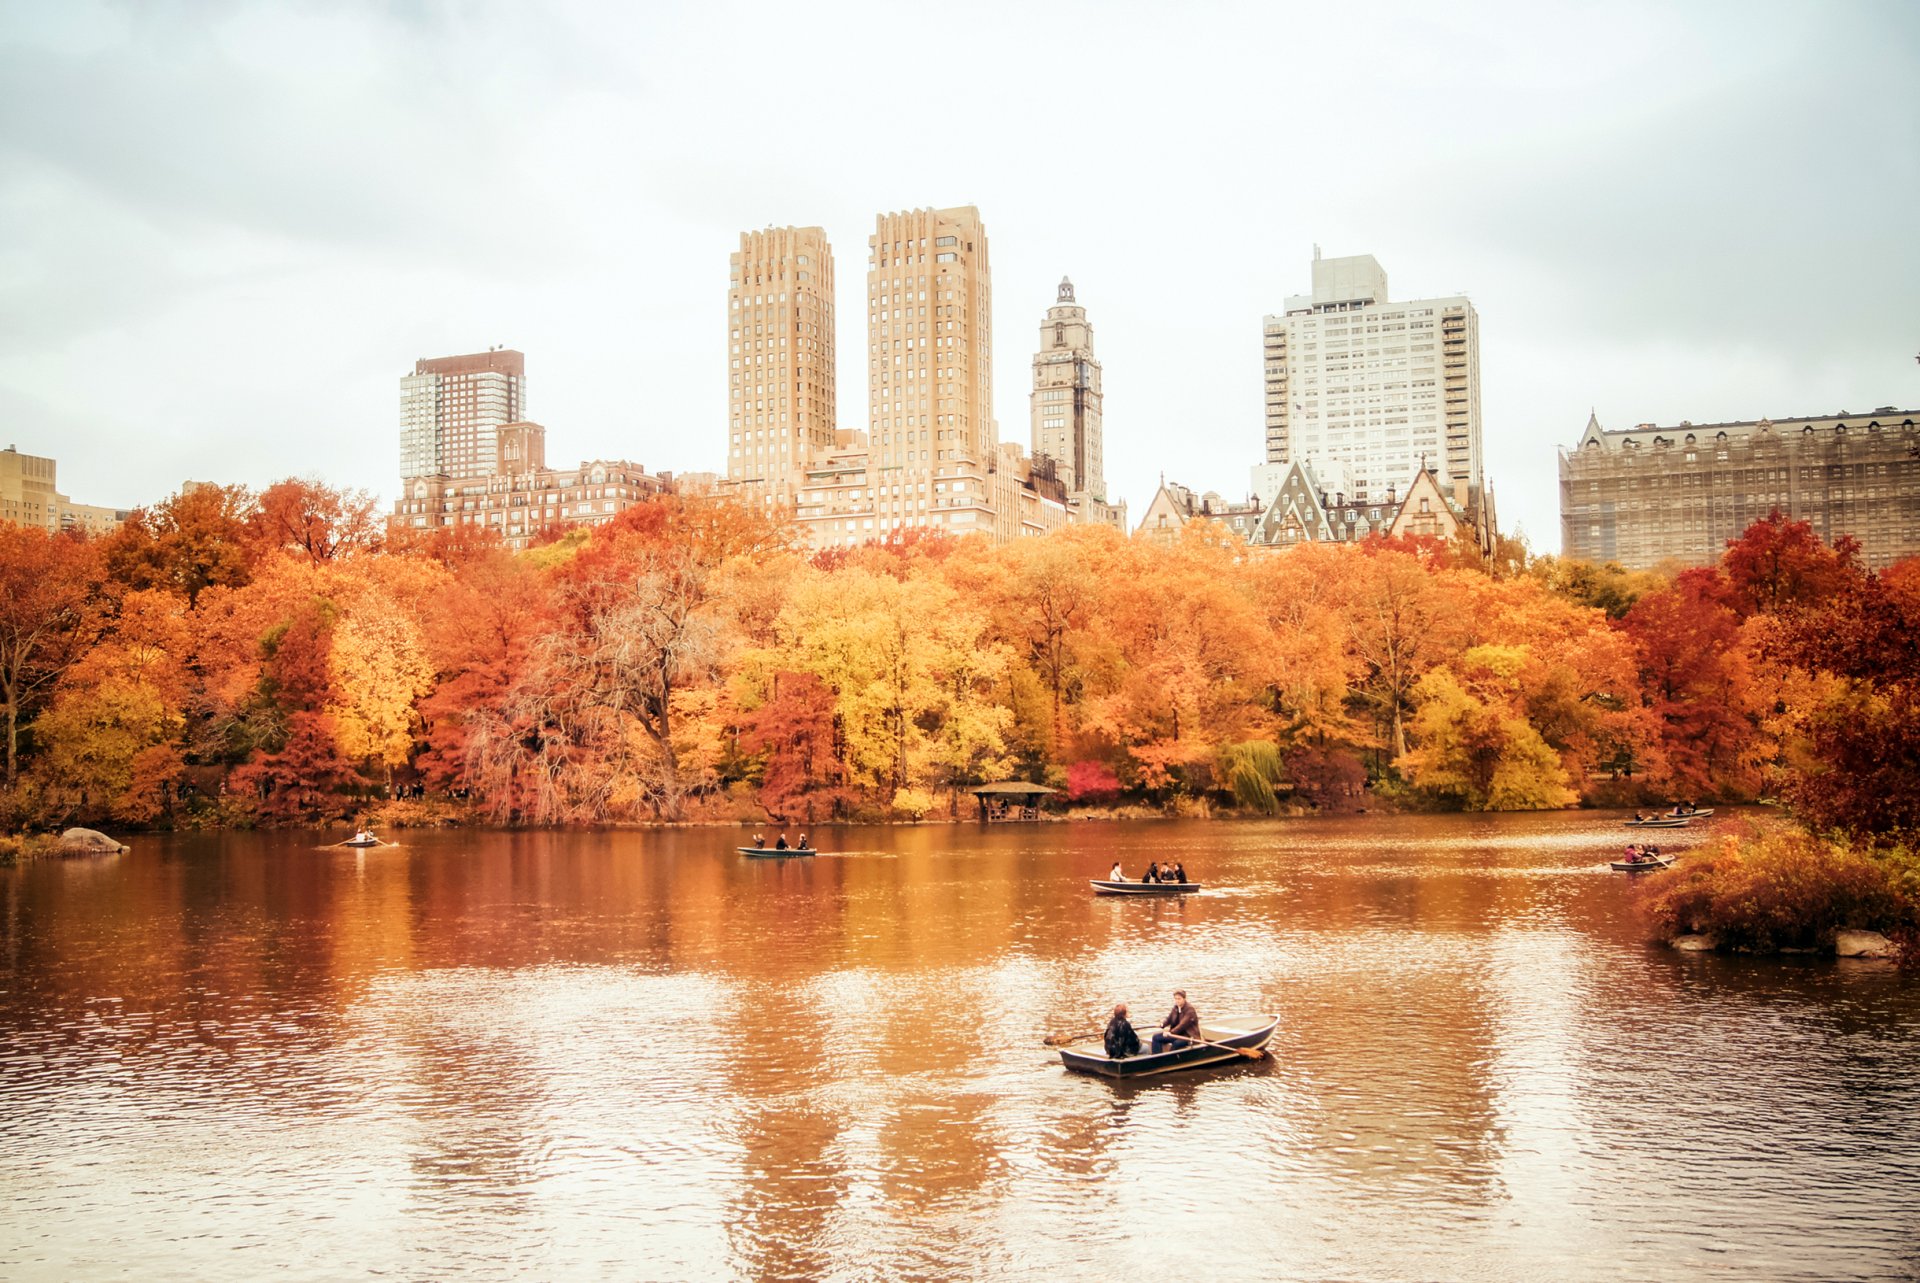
(780, 843)
(1121, 1040)
(801, 845)
(1181, 1026)
(1180, 873)
(1152, 873)
(1114, 874)
(759, 841)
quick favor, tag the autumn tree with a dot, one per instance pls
(1861, 774)
(1777, 565)
(1696, 677)
(189, 542)
(298, 772)
(803, 778)
(639, 619)
(314, 520)
(110, 739)
(1473, 744)
(49, 615)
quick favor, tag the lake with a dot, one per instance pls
(636, 1054)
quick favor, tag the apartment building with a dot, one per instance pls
(1387, 388)
(1651, 494)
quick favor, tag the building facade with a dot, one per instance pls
(1654, 494)
(930, 456)
(1386, 388)
(781, 364)
(1066, 396)
(30, 496)
(451, 408)
(521, 498)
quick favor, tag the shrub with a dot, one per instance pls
(1092, 782)
(1760, 891)
(913, 803)
(1253, 770)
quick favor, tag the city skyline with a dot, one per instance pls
(1609, 220)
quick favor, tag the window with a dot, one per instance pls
(947, 257)
(945, 240)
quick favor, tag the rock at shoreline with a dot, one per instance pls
(1694, 944)
(1861, 944)
(88, 842)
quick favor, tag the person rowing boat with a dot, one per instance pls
(1181, 1026)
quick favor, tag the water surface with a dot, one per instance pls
(636, 1054)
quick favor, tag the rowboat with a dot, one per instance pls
(1233, 1031)
(1700, 814)
(1641, 866)
(774, 852)
(361, 840)
(1102, 886)
(1663, 822)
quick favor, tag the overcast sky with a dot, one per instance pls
(227, 229)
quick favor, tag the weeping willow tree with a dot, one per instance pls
(1253, 771)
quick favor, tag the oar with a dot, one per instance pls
(1251, 1053)
(1062, 1040)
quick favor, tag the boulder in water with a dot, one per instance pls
(88, 842)
(1861, 944)
(1695, 944)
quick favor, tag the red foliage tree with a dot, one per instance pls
(299, 772)
(1091, 781)
(1863, 772)
(805, 778)
(49, 609)
(1777, 565)
(1693, 676)
(314, 520)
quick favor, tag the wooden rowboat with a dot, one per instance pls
(774, 852)
(1641, 866)
(1102, 886)
(1234, 1031)
(1663, 822)
(1700, 814)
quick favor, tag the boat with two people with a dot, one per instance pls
(1156, 879)
(1641, 858)
(1197, 1044)
(780, 850)
(362, 838)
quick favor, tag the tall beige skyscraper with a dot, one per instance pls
(1376, 385)
(930, 335)
(452, 408)
(1066, 397)
(781, 408)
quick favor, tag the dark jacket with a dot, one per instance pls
(1184, 1021)
(1121, 1040)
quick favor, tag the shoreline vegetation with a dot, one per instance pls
(238, 659)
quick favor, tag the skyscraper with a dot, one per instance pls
(1066, 397)
(930, 337)
(1380, 386)
(451, 410)
(781, 407)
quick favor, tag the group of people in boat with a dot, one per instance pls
(780, 843)
(1642, 853)
(1154, 872)
(1680, 811)
(1180, 1028)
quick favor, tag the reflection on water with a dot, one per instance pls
(638, 1055)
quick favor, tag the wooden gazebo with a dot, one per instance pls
(1010, 801)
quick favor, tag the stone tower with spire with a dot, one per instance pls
(1066, 401)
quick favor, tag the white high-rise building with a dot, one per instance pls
(1381, 387)
(452, 409)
